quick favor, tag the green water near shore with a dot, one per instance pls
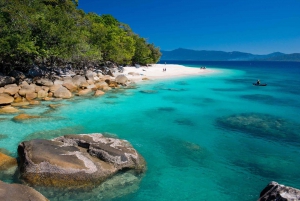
(176, 127)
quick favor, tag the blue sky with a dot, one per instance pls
(254, 26)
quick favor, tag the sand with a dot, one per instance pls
(156, 72)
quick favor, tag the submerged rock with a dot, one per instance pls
(8, 110)
(22, 117)
(148, 91)
(181, 153)
(20, 104)
(7, 162)
(76, 160)
(18, 192)
(276, 192)
(2, 136)
(263, 126)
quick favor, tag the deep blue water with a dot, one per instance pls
(212, 137)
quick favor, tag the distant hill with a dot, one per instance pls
(204, 55)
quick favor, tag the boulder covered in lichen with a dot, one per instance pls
(76, 160)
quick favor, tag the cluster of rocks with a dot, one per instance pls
(70, 161)
(20, 90)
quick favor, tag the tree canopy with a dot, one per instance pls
(55, 32)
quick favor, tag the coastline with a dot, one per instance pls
(88, 83)
(155, 72)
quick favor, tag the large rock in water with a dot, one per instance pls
(276, 192)
(18, 192)
(76, 160)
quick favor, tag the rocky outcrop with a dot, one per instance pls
(5, 99)
(76, 160)
(276, 192)
(18, 192)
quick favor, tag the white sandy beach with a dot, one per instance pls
(155, 72)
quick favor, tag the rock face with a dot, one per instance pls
(274, 191)
(18, 192)
(76, 160)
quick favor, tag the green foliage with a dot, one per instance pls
(55, 30)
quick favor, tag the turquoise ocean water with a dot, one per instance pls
(211, 137)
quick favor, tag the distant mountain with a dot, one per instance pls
(204, 55)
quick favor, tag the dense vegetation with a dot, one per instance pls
(56, 32)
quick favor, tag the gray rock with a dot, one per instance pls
(276, 192)
(121, 79)
(5, 80)
(18, 192)
(75, 160)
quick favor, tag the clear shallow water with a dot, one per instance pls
(189, 153)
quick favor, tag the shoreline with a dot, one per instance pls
(155, 72)
(13, 96)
